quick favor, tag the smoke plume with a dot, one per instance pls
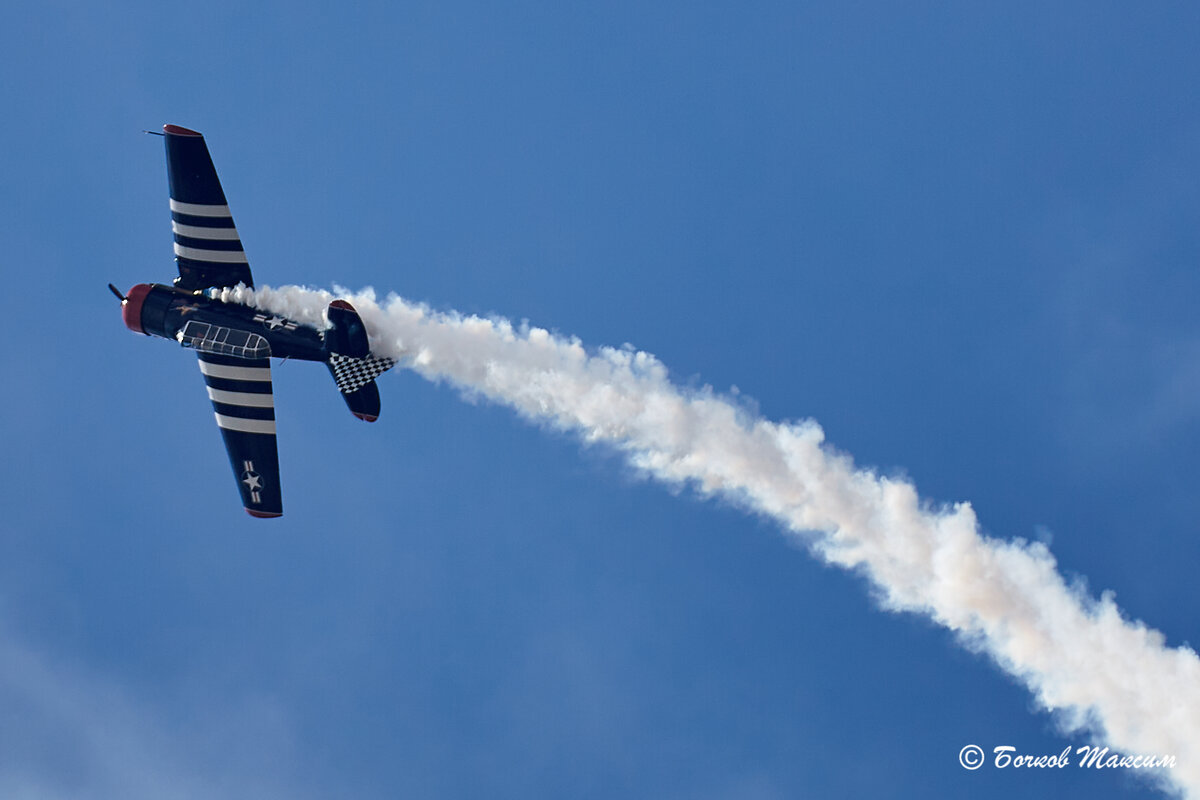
(1098, 671)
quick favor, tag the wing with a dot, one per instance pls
(240, 390)
(208, 251)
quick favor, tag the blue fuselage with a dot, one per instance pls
(207, 324)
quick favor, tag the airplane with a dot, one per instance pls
(234, 342)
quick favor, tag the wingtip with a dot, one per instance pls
(264, 514)
(179, 130)
(366, 417)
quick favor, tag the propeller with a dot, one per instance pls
(117, 292)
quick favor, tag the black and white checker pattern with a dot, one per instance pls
(352, 374)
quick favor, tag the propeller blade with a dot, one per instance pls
(117, 292)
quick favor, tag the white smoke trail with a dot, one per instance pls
(1100, 672)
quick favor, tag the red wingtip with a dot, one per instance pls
(264, 514)
(179, 130)
(366, 417)
(341, 304)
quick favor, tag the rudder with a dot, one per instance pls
(347, 334)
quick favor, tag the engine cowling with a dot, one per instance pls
(131, 307)
(144, 309)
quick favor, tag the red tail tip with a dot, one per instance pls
(179, 130)
(366, 417)
(264, 514)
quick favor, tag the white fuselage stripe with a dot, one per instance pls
(200, 209)
(235, 373)
(218, 256)
(200, 232)
(246, 425)
(248, 399)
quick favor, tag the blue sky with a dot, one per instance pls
(962, 239)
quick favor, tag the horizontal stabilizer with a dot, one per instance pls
(364, 401)
(351, 374)
(351, 363)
